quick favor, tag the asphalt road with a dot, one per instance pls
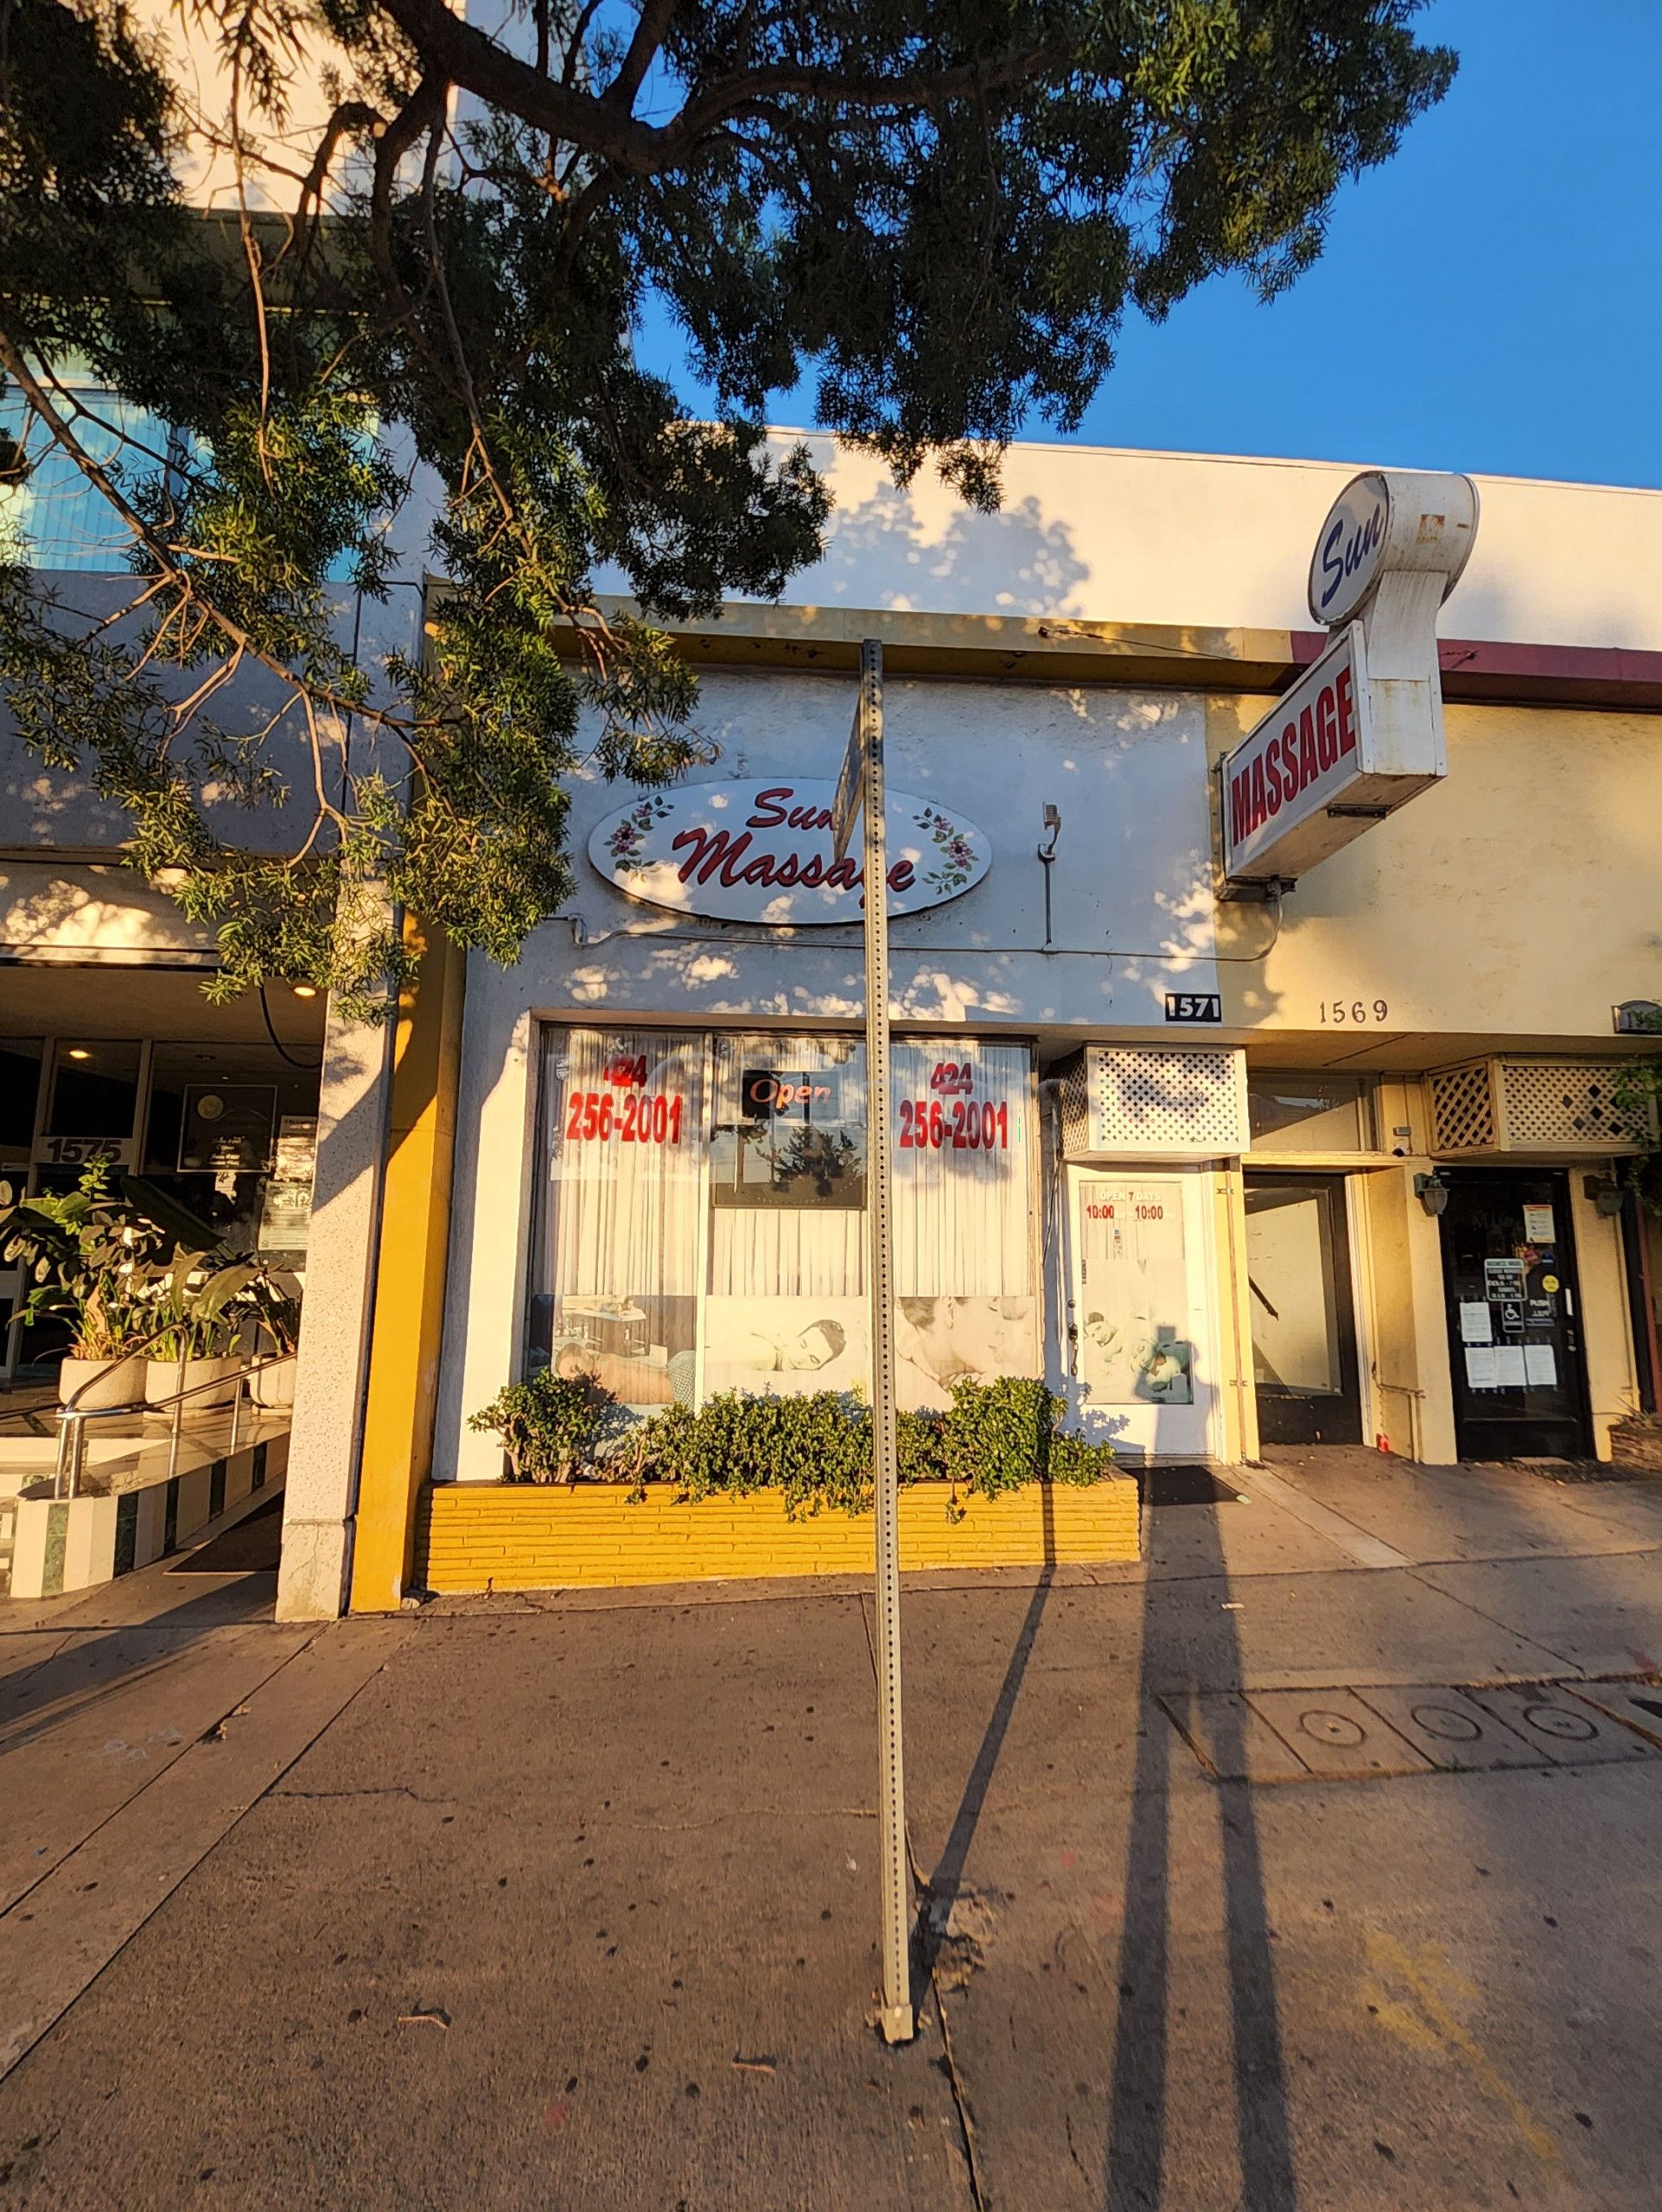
(1245, 1880)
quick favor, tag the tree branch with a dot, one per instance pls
(422, 110)
(650, 27)
(350, 115)
(16, 363)
(464, 55)
(574, 39)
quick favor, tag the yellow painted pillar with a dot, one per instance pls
(404, 1359)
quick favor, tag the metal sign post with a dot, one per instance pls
(860, 789)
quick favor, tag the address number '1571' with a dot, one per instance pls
(1194, 1005)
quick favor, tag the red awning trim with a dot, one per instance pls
(1487, 669)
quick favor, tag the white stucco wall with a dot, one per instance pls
(56, 913)
(1111, 536)
(1428, 913)
(1132, 882)
(1132, 876)
(1517, 896)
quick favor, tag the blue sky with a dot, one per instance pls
(1489, 300)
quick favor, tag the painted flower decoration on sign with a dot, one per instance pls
(627, 842)
(955, 856)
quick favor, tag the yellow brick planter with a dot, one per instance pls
(518, 1537)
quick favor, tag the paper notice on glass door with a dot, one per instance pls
(1541, 1366)
(1475, 1327)
(1509, 1369)
(1480, 1367)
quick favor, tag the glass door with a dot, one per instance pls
(1304, 1361)
(1142, 1346)
(1514, 1325)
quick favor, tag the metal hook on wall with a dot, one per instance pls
(1048, 858)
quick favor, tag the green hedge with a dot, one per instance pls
(817, 1449)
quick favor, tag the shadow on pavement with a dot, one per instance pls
(100, 1657)
(1137, 2110)
(1137, 2126)
(940, 1892)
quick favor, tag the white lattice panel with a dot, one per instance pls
(1570, 1106)
(1534, 1107)
(1462, 1109)
(1151, 1101)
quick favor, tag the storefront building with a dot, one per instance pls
(1336, 1152)
(205, 1116)
(1344, 1163)
(208, 1117)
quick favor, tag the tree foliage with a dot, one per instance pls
(416, 295)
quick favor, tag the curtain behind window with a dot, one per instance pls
(963, 1184)
(624, 1132)
(769, 1167)
(962, 1216)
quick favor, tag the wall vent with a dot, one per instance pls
(1490, 1107)
(1132, 1102)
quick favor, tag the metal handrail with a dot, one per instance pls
(73, 1419)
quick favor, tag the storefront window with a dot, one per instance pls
(94, 1091)
(230, 1142)
(701, 1222)
(19, 1083)
(789, 1126)
(786, 1310)
(963, 1216)
(619, 1225)
(1299, 1112)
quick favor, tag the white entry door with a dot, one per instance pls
(1144, 1351)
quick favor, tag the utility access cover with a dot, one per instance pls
(1291, 1735)
(1335, 1733)
(1345, 1734)
(1638, 1704)
(1562, 1727)
(1453, 1730)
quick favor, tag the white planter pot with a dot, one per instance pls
(162, 1379)
(102, 1384)
(274, 1386)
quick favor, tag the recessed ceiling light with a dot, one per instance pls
(305, 990)
(78, 1052)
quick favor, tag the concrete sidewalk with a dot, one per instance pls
(1245, 1879)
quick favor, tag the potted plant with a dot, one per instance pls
(199, 1311)
(90, 1266)
(548, 1426)
(275, 1301)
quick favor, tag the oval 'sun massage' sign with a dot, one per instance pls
(762, 852)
